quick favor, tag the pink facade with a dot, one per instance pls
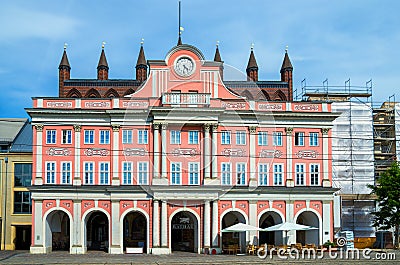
(171, 165)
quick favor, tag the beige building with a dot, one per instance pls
(15, 176)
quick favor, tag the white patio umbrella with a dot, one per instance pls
(288, 226)
(240, 227)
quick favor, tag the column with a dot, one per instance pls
(115, 158)
(253, 220)
(164, 224)
(215, 221)
(77, 176)
(76, 229)
(253, 167)
(116, 247)
(325, 156)
(289, 218)
(214, 155)
(207, 154)
(207, 224)
(164, 150)
(326, 222)
(39, 154)
(37, 244)
(156, 149)
(289, 157)
(156, 224)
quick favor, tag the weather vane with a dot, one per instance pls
(252, 46)
(65, 45)
(142, 42)
(287, 47)
(217, 43)
(102, 44)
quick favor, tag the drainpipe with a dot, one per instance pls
(5, 205)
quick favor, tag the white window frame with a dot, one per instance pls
(66, 173)
(225, 137)
(127, 136)
(104, 137)
(241, 174)
(314, 141)
(90, 134)
(143, 173)
(143, 136)
(66, 136)
(300, 175)
(193, 137)
(226, 173)
(314, 175)
(51, 136)
(127, 173)
(263, 169)
(104, 173)
(278, 175)
(277, 139)
(299, 138)
(262, 138)
(176, 174)
(193, 173)
(175, 137)
(241, 137)
(88, 175)
(51, 173)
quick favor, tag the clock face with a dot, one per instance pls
(184, 66)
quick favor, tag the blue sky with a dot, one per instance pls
(338, 40)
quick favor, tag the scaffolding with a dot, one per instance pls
(352, 150)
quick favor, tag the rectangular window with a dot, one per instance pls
(89, 136)
(143, 173)
(66, 137)
(313, 139)
(22, 174)
(194, 173)
(262, 138)
(104, 137)
(193, 137)
(299, 139)
(263, 174)
(50, 172)
(142, 137)
(241, 137)
(175, 173)
(175, 137)
(277, 138)
(104, 173)
(226, 174)
(225, 137)
(241, 174)
(278, 174)
(89, 169)
(126, 136)
(51, 137)
(314, 174)
(126, 173)
(66, 173)
(22, 202)
(300, 174)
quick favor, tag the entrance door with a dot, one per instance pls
(135, 231)
(183, 228)
(22, 237)
(97, 232)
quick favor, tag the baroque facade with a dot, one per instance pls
(165, 162)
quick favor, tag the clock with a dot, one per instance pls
(184, 66)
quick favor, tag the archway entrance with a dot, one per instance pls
(308, 236)
(97, 231)
(184, 232)
(235, 238)
(58, 231)
(135, 231)
(271, 238)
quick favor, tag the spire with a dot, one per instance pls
(217, 56)
(252, 59)
(102, 60)
(141, 64)
(64, 60)
(179, 40)
(286, 65)
(141, 58)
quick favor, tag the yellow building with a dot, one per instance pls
(15, 178)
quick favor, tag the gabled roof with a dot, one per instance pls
(9, 129)
(23, 141)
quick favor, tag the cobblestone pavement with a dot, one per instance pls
(23, 257)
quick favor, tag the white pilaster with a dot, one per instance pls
(289, 218)
(215, 221)
(164, 150)
(289, 157)
(164, 224)
(325, 156)
(252, 146)
(156, 224)
(115, 247)
(39, 154)
(214, 162)
(76, 232)
(326, 221)
(207, 225)
(77, 177)
(207, 153)
(156, 154)
(38, 234)
(115, 158)
(253, 221)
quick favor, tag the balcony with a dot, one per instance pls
(186, 99)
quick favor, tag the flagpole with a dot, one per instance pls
(179, 15)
